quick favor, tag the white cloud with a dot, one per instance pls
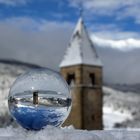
(117, 35)
(130, 11)
(34, 41)
(118, 8)
(124, 45)
(13, 2)
(112, 31)
(44, 42)
(112, 36)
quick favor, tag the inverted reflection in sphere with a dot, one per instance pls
(39, 98)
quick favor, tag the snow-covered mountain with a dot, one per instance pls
(121, 109)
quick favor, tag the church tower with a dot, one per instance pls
(82, 69)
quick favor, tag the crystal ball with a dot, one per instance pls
(38, 98)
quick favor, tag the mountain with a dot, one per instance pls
(126, 87)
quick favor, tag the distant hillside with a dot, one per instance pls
(9, 70)
(18, 63)
(126, 87)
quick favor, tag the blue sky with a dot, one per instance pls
(39, 32)
(42, 9)
(124, 15)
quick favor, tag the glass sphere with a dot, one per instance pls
(39, 98)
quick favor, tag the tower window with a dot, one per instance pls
(70, 78)
(92, 78)
(35, 97)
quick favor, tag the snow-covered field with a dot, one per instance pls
(53, 133)
(112, 117)
(121, 109)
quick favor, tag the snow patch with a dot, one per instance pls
(111, 117)
(53, 133)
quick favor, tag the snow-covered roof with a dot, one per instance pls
(81, 49)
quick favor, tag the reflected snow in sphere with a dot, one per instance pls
(39, 98)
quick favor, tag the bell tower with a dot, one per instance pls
(82, 69)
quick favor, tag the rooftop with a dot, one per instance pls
(80, 49)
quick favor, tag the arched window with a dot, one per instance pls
(92, 78)
(70, 78)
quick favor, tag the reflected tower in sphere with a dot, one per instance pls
(35, 97)
(82, 69)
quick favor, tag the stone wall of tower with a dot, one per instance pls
(92, 108)
(92, 98)
(75, 117)
(97, 71)
(86, 111)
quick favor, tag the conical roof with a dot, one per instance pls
(80, 49)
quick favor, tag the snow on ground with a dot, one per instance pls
(121, 109)
(53, 133)
(112, 117)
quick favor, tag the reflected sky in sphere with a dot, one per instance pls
(39, 98)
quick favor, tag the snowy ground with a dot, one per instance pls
(52, 133)
(121, 109)
(112, 117)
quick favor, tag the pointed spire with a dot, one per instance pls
(79, 27)
(81, 10)
(81, 49)
(80, 21)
